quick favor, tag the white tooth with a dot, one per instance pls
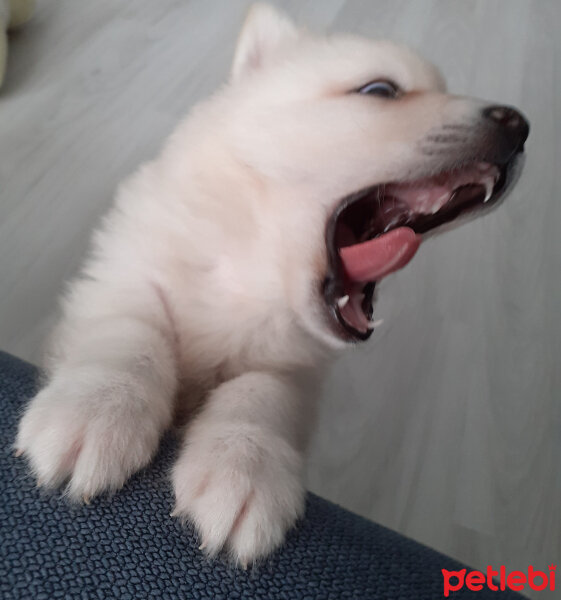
(374, 324)
(489, 184)
(342, 301)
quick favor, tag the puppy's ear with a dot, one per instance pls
(264, 31)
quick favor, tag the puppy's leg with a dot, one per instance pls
(110, 394)
(239, 476)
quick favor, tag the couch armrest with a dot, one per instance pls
(126, 546)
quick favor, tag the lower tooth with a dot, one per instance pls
(374, 324)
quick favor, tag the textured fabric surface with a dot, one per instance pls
(128, 548)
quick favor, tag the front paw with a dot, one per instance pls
(242, 488)
(90, 431)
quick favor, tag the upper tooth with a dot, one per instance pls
(342, 301)
(489, 184)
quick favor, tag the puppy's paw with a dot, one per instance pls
(241, 487)
(92, 432)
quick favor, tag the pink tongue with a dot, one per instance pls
(381, 256)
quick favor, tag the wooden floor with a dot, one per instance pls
(447, 426)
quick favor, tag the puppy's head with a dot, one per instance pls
(363, 154)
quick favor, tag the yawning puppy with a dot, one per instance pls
(233, 266)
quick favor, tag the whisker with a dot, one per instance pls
(455, 127)
(451, 138)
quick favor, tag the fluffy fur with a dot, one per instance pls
(202, 285)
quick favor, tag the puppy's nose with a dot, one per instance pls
(513, 127)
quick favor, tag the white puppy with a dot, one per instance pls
(234, 265)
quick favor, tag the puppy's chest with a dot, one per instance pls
(229, 342)
(231, 319)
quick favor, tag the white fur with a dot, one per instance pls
(204, 281)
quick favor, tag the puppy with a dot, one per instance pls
(235, 265)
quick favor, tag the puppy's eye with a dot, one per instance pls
(382, 88)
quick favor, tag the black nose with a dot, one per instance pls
(513, 127)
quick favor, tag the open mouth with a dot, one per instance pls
(377, 231)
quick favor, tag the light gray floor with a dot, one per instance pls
(447, 425)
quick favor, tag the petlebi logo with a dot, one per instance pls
(498, 580)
